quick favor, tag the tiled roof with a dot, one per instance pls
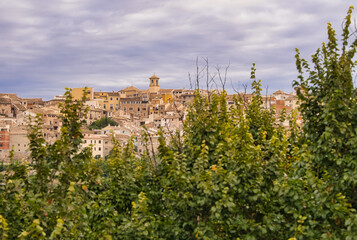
(5, 100)
(131, 88)
(20, 107)
(279, 92)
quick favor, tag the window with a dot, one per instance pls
(99, 149)
(99, 141)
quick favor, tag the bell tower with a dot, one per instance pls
(154, 84)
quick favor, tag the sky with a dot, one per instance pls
(46, 46)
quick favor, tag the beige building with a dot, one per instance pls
(19, 142)
(100, 143)
(94, 114)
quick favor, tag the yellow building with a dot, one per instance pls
(77, 93)
(167, 98)
(108, 100)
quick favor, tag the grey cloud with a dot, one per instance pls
(110, 45)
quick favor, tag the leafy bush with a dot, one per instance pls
(102, 123)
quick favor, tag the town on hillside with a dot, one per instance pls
(131, 108)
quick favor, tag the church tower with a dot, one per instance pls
(154, 84)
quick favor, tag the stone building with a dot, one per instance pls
(31, 103)
(94, 114)
(134, 105)
(19, 142)
(154, 86)
(6, 107)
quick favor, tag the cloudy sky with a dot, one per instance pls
(46, 46)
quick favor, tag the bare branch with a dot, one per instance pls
(234, 89)
(189, 78)
(152, 157)
(224, 79)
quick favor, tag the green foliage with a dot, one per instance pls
(235, 173)
(2, 166)
(3, 227)
(103, 122)
(328, 106)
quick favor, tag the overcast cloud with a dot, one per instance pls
(46, 46)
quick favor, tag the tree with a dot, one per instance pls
(328, 106)
(103, 122)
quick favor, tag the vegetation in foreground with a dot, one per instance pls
(235, 174)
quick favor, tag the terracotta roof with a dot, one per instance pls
(165, 90)
(33, 99)
(154, 76)
(10, 95)
(20, 107)
(5, 100)
(131, 88)
(279, 92)
(113, 94)
(172, 117)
